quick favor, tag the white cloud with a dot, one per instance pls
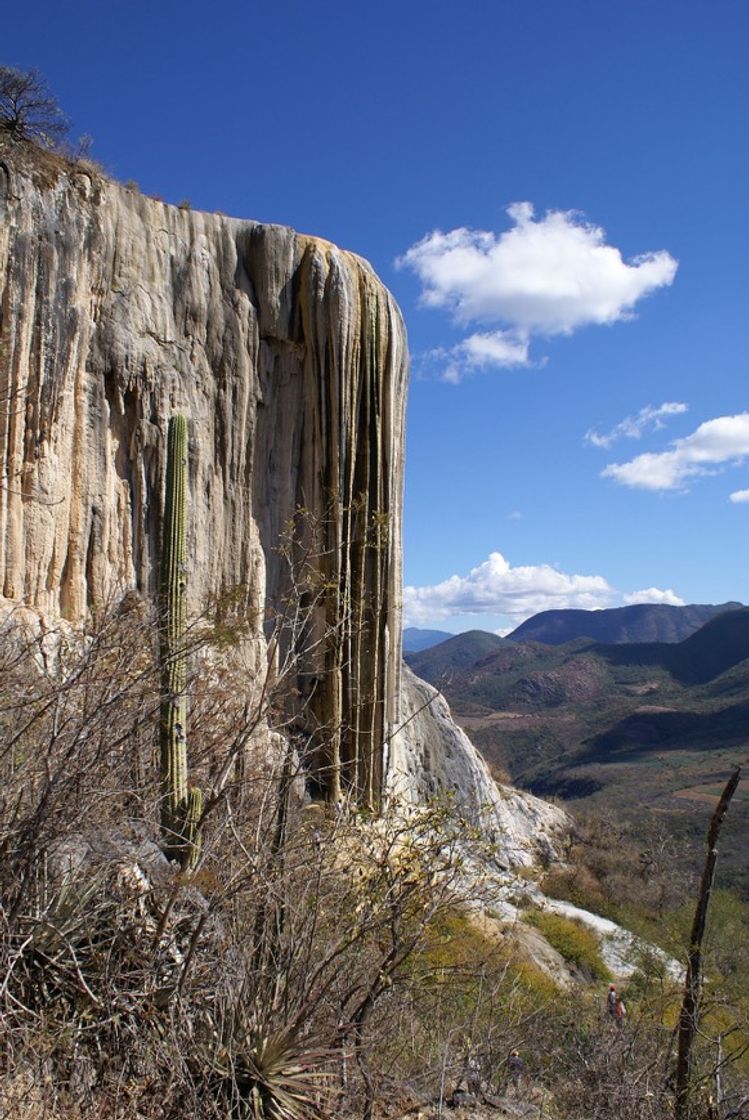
(632, 427)
(475, 354)
(541, 277)
(496, 348)
(495, 587)
(724, 440)
(739, 496)
(654, 595)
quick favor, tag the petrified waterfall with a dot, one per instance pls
(288, 358)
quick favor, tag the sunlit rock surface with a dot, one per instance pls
(289, 359)
(622, 951)
(431, 756)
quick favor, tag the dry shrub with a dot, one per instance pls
(131, 988)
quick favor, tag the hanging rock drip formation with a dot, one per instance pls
(289, 358)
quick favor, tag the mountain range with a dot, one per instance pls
(646, 727)
(642, 622)
(415, 639)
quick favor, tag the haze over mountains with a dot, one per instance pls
(415, 639)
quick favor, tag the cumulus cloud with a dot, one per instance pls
(739, 496)
(475, 354)
(632, 427)
(546, 276)
(718, 442)
(654, 595)
(495, 587)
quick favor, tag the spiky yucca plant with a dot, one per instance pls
(267, 1072)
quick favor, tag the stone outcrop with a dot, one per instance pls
(289, 359)
(430, 756)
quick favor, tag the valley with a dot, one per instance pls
(643, 731)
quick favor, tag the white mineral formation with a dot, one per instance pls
(622, 951)
(289, 359)
(431, 756)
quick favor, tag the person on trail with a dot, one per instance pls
(620, 1012)
(517, 1068)
(611, 1001)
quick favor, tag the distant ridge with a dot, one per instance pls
(643, 622)
(716, 647)
(502, 675)
(454, 655)
(415, 639)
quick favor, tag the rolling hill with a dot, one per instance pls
(453, 655)
(643, 622)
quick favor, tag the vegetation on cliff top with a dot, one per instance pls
(28, 111)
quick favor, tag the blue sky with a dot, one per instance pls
(578, 431)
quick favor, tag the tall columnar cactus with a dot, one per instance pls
(178, 804)
(191, 827)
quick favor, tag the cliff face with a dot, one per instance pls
(289, 359)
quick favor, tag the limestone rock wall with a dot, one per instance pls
(430, 756)
(289, 359)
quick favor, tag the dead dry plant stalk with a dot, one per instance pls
(690, 1009)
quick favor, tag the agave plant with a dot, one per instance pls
(268, 1073)
(66, 917)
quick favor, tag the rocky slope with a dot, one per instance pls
(430, 754)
